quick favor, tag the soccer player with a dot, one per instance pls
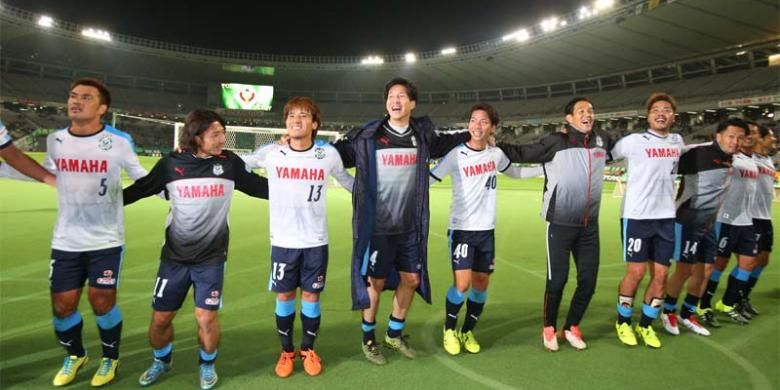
(647, 218)
(391, 213)
(199, 181)
(87, 158)
(298, 178)
(474, 167)
(705, 178)
(765, 145)
(574, 169)
(736, 234)
(20, 161)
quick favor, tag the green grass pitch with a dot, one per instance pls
(509, 329)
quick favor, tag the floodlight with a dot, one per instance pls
(583, 13)
(96, 34)
(603, 4)
(519, 35)
(449, 51)
(372, 60)
(549, 24)
(410, 57)
(45, 21)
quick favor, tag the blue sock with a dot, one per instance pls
(395, 327)
(285, 318)
(110, 329)
(310, 319)
(68, 331)
(453, 304)
(207, 358)
(164, 354)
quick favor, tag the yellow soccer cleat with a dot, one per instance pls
(648, 336)
(626, 334)
(105, 373)
(451, 342)
(470, 343)
(70, 367)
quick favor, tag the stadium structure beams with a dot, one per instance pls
(632, 35)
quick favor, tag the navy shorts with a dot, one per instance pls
(648, 239)
(292, 268)
(694, 244)
(764, 228)
(742, 240)
(399, 251)
(474, 250)
(174, 281)
(69, 270)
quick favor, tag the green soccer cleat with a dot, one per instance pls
(70, 367)
(470, 343)
(731, 312)
(401, 345)
(105, 373)
(451, 342)
(153, 373)
(626, 334)
(648, 336)
(373, 354)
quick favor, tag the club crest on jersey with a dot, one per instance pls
(319, 153)
(218, 170)
(599, 141)
(104, 143)
(414, 141)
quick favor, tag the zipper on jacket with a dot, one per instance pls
(590, 178)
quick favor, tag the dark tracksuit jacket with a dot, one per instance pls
(358, 149)
(574, 170)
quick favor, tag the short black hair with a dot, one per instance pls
(733, 121)
(763, 131)
(411, 90)
(103, 93)
(569, 109)
(195, 124)
(492, 113)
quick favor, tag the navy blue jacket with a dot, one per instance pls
(358, 149)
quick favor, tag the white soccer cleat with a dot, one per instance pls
(574, 337)
(670, 323)
(693, 324)
(550, 339)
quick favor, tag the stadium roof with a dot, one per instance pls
(634, 35)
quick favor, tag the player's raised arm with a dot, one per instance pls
(346, 149)
(256, 159)
(540, 152)
(21, 163)
(147, 185)
(249, 182)
(445, 166)
(443, 142)
(341, 175)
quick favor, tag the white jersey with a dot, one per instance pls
(474, 178)
(5, 138)
(738, 199)
(298, 183)
(89, 187)
(762, 204)
(652, 166)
